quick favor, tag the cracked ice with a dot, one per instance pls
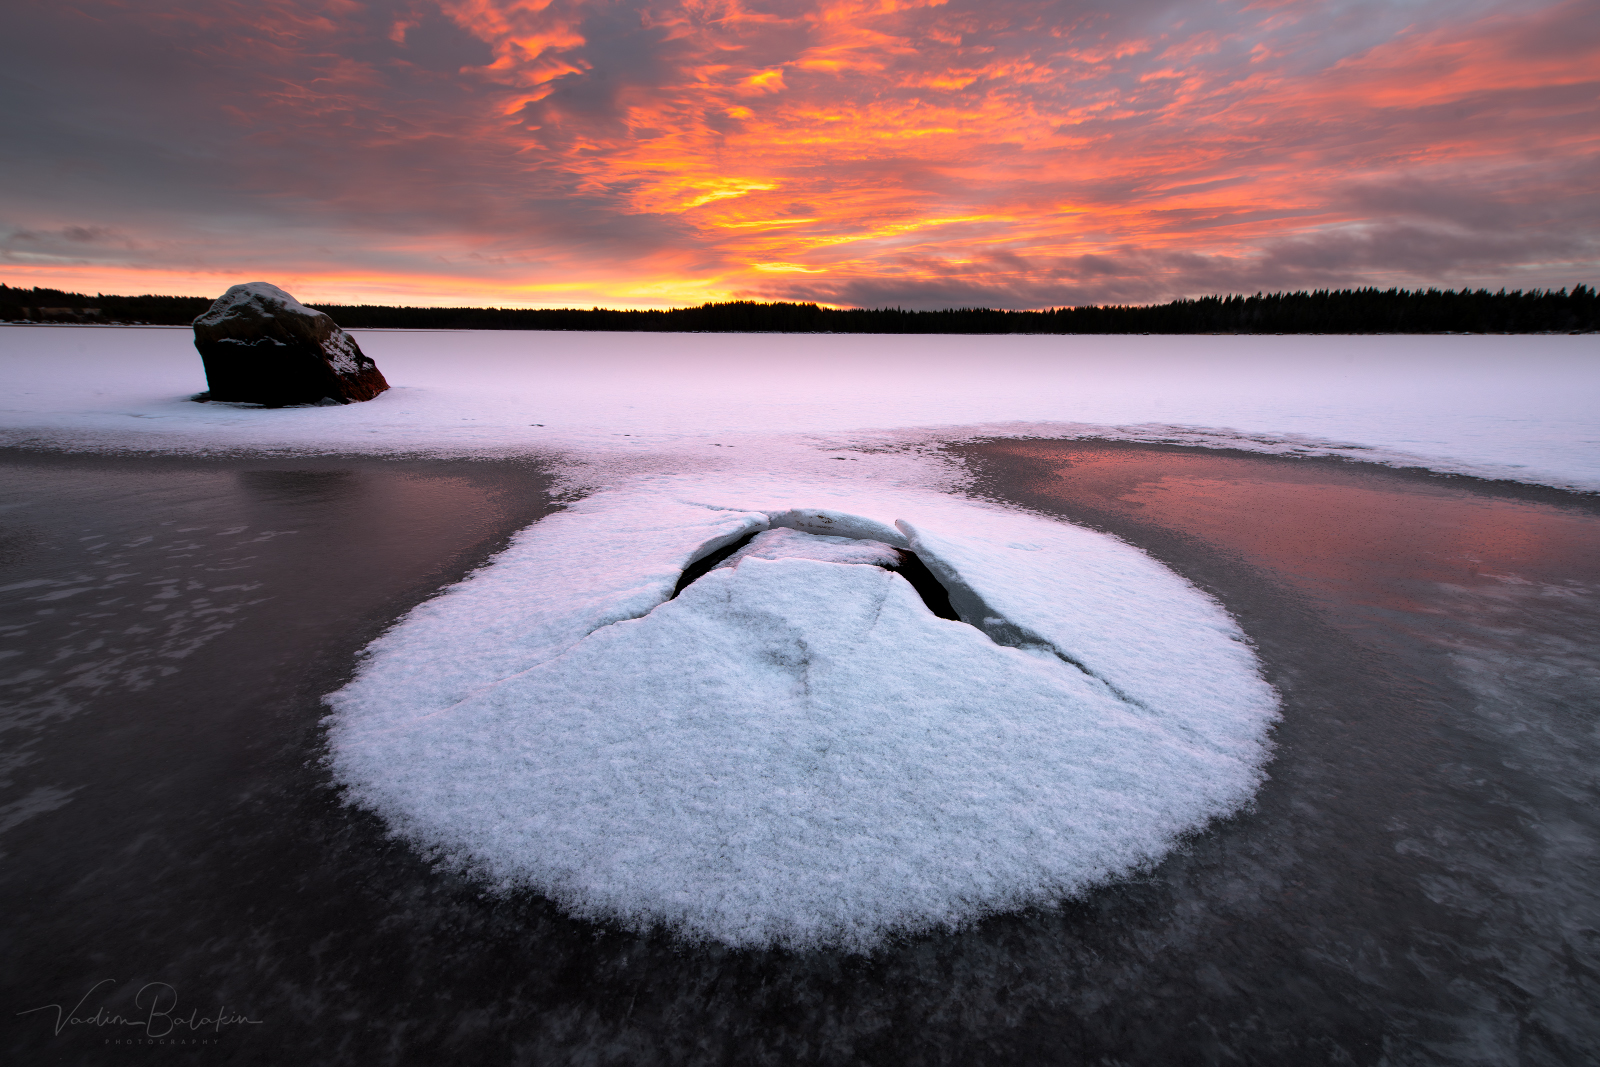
(795, 751)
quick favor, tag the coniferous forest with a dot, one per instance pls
(1321, 311)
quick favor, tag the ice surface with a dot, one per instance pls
(1515, 407)
(827, 548)
(795, 750)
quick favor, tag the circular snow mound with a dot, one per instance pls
(795, 751)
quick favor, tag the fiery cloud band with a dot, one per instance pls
(917, 153)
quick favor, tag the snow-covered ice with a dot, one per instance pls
(795, 750)
(1506, 407)
(787, 543)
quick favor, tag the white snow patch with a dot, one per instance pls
(267, 299)
(795, 751)
(341, 352)
(825, 548)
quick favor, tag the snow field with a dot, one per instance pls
(1497, 407)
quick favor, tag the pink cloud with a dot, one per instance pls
(1017, 154)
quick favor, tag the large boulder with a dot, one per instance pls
(262, 346)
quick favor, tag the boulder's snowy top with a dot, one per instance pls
(264, 298)
(795, 751)
(796, 544)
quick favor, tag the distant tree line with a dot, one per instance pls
(54, 305)
(1322, 311)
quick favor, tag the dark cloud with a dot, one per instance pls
(1382, 255)
(437, 43)
(621, 52)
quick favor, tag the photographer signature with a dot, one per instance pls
(160, 1018)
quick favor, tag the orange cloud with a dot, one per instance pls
(1008, 153)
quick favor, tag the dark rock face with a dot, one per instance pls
(262, 346)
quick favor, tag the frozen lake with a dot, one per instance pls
(1413, 882)
(1502, 407)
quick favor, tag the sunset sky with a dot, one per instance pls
(1007, 153)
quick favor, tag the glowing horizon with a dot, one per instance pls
(919, 153)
